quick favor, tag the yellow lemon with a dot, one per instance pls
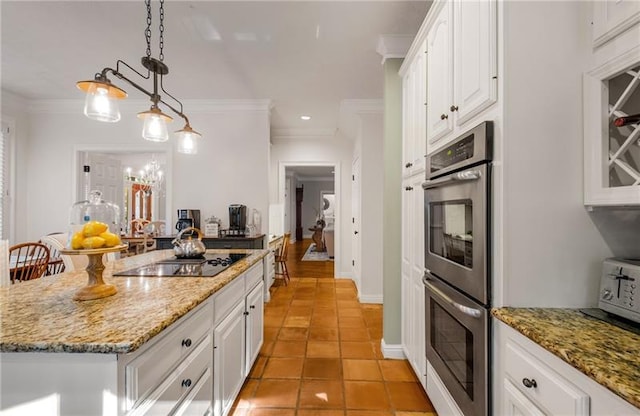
(76, 240)
(110, 239)
(94, 228)
(93, 242)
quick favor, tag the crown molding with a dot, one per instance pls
(11, 100)
(393, 46)
(67, 106)
(278, 134)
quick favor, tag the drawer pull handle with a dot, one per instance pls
(530, 384)
(186, 342)
(186, 383)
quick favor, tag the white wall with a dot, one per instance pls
(369, 147)
(231, 166)
(334, 150)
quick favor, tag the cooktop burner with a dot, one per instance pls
(207, 266)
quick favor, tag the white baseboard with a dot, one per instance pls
(344, 275)
(393, 351)
(370, 299)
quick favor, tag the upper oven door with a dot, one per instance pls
(456, 221)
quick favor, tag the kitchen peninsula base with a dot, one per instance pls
(159, 346)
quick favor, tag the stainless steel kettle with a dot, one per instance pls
(189, 248)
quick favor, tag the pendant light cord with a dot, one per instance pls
(147, 32)
(161, 27)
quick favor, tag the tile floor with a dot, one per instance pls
(321, 357)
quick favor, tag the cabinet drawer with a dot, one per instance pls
(550, 391)
(143, 373)
(253, 276)
(179, 383)
(200, 399)
(228, 297)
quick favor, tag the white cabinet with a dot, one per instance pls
(229, 358)
(255, 324)
(532, 381)
(163, 375)
(612, 154)
(238, 336)
(612, 17)
(412, 254)
(414, 114)
(461, 67)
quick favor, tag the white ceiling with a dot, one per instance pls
(306, 56)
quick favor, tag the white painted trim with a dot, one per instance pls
(393, 46)
(313, 134)
(12, 158)
(371, 299)
(314, 178)
(70, 106)
(344, 275)
(337, 178)
(392, 351)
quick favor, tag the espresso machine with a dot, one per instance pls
(188, 218)
(237, 220)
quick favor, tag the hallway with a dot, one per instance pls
(321, 355)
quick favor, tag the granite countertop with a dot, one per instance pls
(41, 315)
(607, 354)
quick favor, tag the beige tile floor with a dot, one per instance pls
(321, 357)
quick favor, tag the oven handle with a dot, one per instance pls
(468, 175)
(474, 313)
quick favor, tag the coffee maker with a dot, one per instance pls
(188, 218)
(237, 220)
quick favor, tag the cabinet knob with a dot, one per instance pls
(245, 313)
(408, 165)
(252, 307)
(186, 342)
(355, 232)
(530, 384)
(444, 116)
(408, 188)
(186, 383)
(453, 108)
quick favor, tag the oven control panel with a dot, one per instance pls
(620, 288)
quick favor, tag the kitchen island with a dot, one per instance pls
(540, 349)
(149, 349)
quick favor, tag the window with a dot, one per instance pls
(5, 140)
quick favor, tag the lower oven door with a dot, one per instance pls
(457, 338)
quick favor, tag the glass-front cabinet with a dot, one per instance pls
(612, 134)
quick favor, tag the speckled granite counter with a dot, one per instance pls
(41, 315)
(607, 354)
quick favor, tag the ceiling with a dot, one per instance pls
(305, 172)
(306, 56)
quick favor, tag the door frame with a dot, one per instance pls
(337, 179)
(103, 148)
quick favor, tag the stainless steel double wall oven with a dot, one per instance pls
(457, 267)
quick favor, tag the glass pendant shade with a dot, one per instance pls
(155, 125)
(188, 140)
(101, 102)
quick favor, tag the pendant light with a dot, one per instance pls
(101, 103)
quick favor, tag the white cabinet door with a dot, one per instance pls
(413, 313)
(474, 64)
(516, 403)
(613, 17)
(419, 115)
(439, 75)
(229, 359)
(255, 327)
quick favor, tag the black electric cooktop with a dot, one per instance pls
(207, 266)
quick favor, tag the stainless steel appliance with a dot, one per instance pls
(457, 262)
(209, 266)
(237, 220)
(618, 302)
(188, 218)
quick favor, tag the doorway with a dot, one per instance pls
(138, 181)
(313, 183)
